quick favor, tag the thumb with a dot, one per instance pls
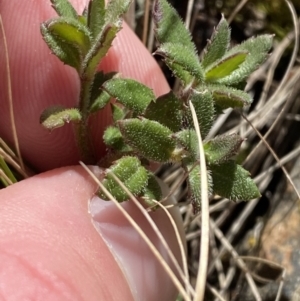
(56, 250)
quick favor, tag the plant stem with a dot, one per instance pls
(83, 136)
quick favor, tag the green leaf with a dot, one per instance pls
(100, 102)
(99, 49)
(232, 181)
(204, 107)
(64, 8)
(100, 98)
(118, 112)
(166, 105)
(226, 97)
(113, 138)
(181, 55)
(70, 31)
(69, 54)
(115, 9)
(218, 45)
(132, 94)
(225, 66)
(57, 116)
(188, 139)
(103, 41)
(222, 148)
(149, 139)
(82, 20)
(152, 191)
(177, 70)
(194, 186)
(169, 27)
(258, 49)
(133, 175)
(96, 16)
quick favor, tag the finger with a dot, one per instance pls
(40, 80)
(51, 247)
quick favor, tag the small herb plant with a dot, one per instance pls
(148, 129)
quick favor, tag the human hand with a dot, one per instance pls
(49, 246)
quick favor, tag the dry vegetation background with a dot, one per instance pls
(254, 246)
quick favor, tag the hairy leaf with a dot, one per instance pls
(70, 31)
(204, 107)
(152, 191)
(133, 175)
(64, 8)
(148, 138)
(100, 102)
(225, 66)
(181, 55)
(115, 9)
(96, 17)
(99, 49)
(179, 72)
(132, 94)
(118, 112)
(169, 27)
(69, 54)
(100, 98)
(188, 140)
(194, 185)
(232, 181)
(57, 116)
(258, 49)
(167, 105)
(222, 148)
(227, 97)
(113, 138)
(218, 44)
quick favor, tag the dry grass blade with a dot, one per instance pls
(215, 292)
(188, 287)
(3, 177)
(218, 262)
(274, 155)
(236, 10)
(287, 158)
(7, 149)
(272, 264)
(9, 159)
(204, 247)
(156, 253)
(295, 50)
(10, 98)
(189, 13)
(146, 21)
(286, 75)
(237, 258)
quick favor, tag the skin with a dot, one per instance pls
(57, 241)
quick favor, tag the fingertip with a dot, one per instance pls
(48, 234)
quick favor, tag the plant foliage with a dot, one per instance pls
(148, 129)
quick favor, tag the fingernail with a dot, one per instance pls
(145, 275)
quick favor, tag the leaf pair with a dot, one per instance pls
(81, 41)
